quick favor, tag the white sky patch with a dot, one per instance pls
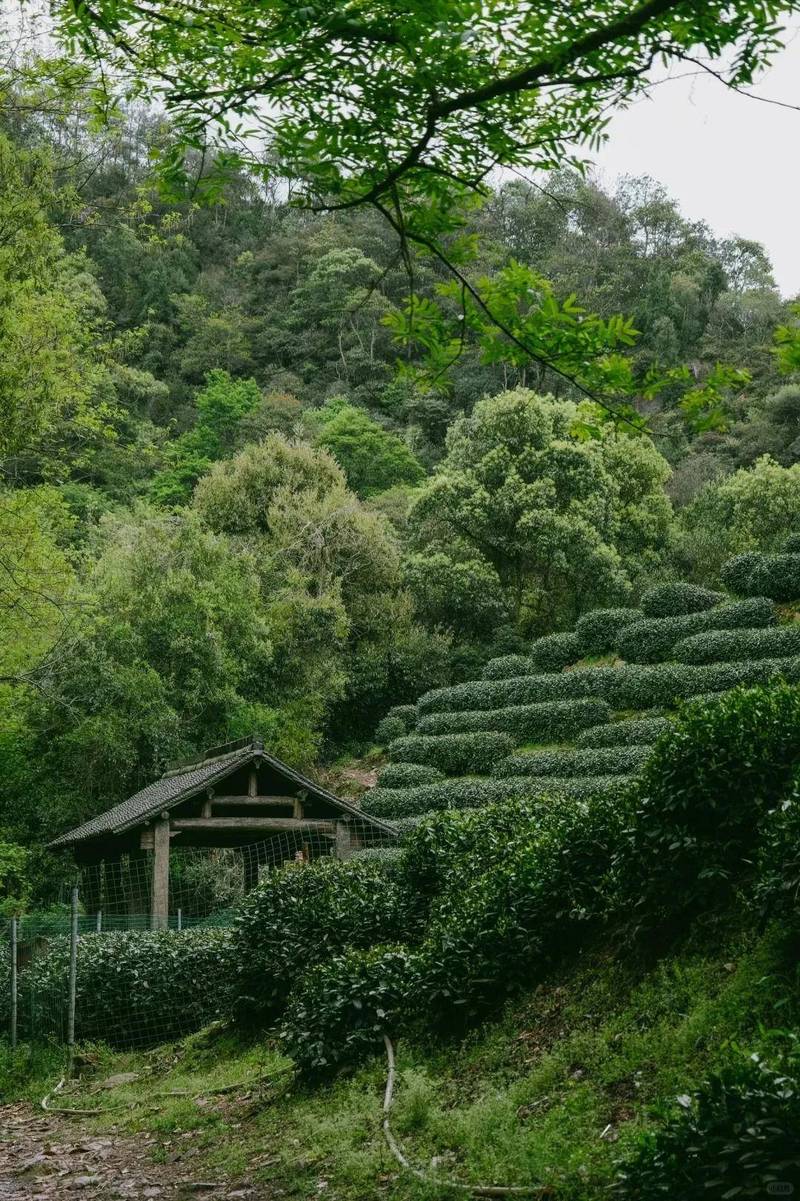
(731, 161)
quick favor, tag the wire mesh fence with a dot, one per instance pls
(97, 968)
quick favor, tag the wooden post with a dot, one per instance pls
(343, 840)
(159, 901)
(13, 983)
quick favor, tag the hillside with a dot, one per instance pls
(580, 713)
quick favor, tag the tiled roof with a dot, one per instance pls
(179, 785)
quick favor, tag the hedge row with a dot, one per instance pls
(397, 722)
(604, 761)
(755, 574)
(632, 686)
(508, 667)
(134, 987)
(726, 646)
(597, 632)
(554, 652)
(396, 803)
(675, 600)
(454, 754)
(653, 640)
(408, 775)
(635, 731)
(552, 721)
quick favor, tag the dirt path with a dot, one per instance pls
(46, 1157)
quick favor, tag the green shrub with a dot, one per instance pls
(605, 761)
(454, 754)
(408, 775)
(508, 667)
(634, 731)
(134, 987)
(597, 632)
(731, 645)
(777, 875)
(397, 803)
(632, 686)
(737, 1136)
(755, 574)
(551, 721)
(299, 915)
(387, 857)
(674, 600)
(398, 721)
(554, 652)
(792, 545)
(653, 640)
(703, 794)
(340, 1009)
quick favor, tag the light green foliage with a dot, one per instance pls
(539, 507)
(635, 731)
(787, 343)
(460, 594)
(454, 754)
(408, 775)
(653, 640)
(398, 721)
(394, 803)
(605, 761)
(372, 458)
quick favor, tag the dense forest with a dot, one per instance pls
(237, 495)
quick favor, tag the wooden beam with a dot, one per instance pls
(252, 802)
(159, 901)
(269, 825)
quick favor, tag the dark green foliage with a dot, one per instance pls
(792, 545)
(454, 754)
(339, 1010)
(597, 632)
(552, 721)
(631, 686)
(736, 1136)
(408, 775)
(777, 887)
(509, 666)
(653, 640)
(392, 803)
(753, 574)
(135, 987)
(398, 721)
(300, 915)
(603, 761)
(555, 651)
(728, 646)
(704, 792)
(635, 731)
(673, 600)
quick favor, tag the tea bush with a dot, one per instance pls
(674, 600)
(555, 652)
(736, 1136)
(634, 731)
(792, 545)
(703, 794)
(728, 645)
(394, 803)
(408, 775)
(777, 876)
(135, 987)
(339, 1010)
(454, 754)
(597, 632)
(606, 761)
(551, 721)
(398, 721)
(653, 640)
(509, 666)
(301, 914)
(776, 576)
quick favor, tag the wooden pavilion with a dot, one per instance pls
(232, 796)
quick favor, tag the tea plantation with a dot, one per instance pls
(579, 713)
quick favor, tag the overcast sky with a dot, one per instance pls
(729, 160)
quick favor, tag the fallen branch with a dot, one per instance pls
(477, 1190)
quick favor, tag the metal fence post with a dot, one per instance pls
(180, 919)
(73, 979)
(99, 923)
(13, 983)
